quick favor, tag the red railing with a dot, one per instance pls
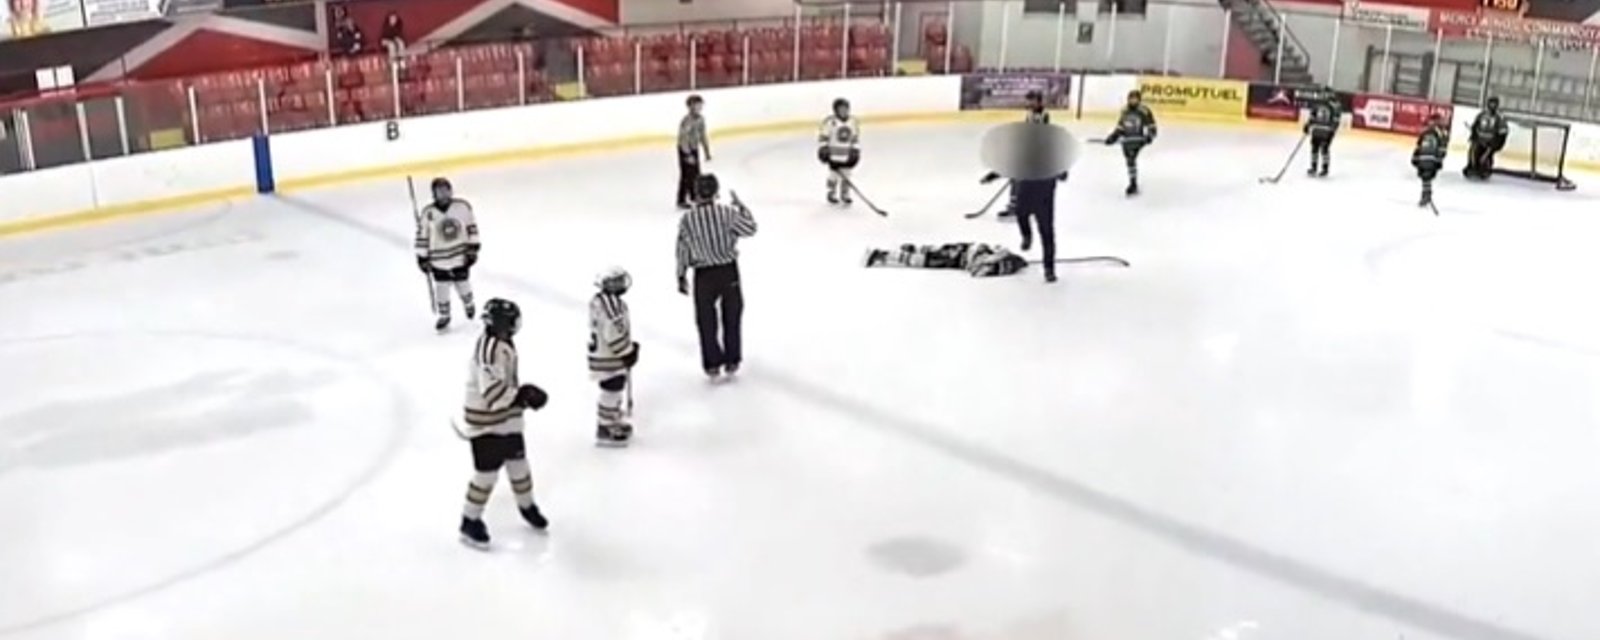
(100, 121)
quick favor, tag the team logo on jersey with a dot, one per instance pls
(845, 134)
(449, 228)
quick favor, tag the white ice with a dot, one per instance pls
(1308, 411)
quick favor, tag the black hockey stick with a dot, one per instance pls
(1286, 163)
(979, 213)
(629, 388)
(416, 216)
(1105, 260)
(851, 185)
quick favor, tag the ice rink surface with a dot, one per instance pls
(1309, 411)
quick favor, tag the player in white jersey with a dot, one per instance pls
(495, 400)
(612, 354)
(837, 142)
(447, 247)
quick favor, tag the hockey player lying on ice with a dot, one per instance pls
(980, 260)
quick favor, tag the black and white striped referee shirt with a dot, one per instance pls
(692, 133)
(708, 235)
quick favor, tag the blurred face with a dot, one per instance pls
(694, 108)
(843, 111)
(1133, 101)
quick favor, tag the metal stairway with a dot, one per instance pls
(1259, 22)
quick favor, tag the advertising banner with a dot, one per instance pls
(1508, 26)
(1402, 17)
(1406, 116)
(1284, 102)
(1010, 90)
(29, 18)
(1216, 98)
(100, 12)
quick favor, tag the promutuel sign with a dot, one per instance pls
(1221, 98)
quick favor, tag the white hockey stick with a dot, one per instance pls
(416, 216)
(1286, 163)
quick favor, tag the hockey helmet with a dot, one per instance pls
(502, 317)
(1035, 96)
(694, 101)
(614, 280)
(706, 187)
(1135, 96)
(841, 107)
(1494, 102)
(442, 190)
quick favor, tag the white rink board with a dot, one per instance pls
(309, 154)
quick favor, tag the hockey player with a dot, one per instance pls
(837, 149)
(1428, 157)
(1489, 132)
(1036, 113)
(447, 247)
(1035, 201)
(1136, 128)
(495, 401)
(612, 354)
(1322, 122)
(979, 260)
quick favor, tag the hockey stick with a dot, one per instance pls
(1286, 163)
(851, 185)
(1106, 260)
(629, 389)
(460, 433)
(416, 216)
(985, 209)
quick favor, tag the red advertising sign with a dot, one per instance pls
(1509, 26)
(1407, 116)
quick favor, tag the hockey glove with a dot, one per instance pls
(632, 358)
(422, 263)
(822, 155)
(531, 397)
(472, 256)
(683, 285)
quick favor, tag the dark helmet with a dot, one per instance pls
(695, 100)
(1135, 95)
(442, 190)
(1035, 96)
(1494, 102)
(502, 317)
(706, 187)
(841, 107)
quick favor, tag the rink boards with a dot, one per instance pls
(181, 178)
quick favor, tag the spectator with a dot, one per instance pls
(347, 36)
(394, 35)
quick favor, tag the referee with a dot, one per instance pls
(708, 240)
(691, 140)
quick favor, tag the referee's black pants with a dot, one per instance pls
(720, 337)
(1045, 217)
(688, 170)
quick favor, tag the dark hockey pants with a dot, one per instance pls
(1130, 154)
(688, 170)
(1045, 217)
(714, 287)
(1320, 145)
(1480, 160)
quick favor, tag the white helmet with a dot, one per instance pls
(614, 280)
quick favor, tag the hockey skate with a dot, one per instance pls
(1323, 173)
(833, 197)
(474, 534)
(875, 257)
(472, 312)
(844, 195)
(730, 370)
(613, 436)
(442, 324)
(1133, 188)
(535, 519)
(1312, 172)
(1049, 276)
(1027, 242)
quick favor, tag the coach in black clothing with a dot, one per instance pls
(708, 239)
